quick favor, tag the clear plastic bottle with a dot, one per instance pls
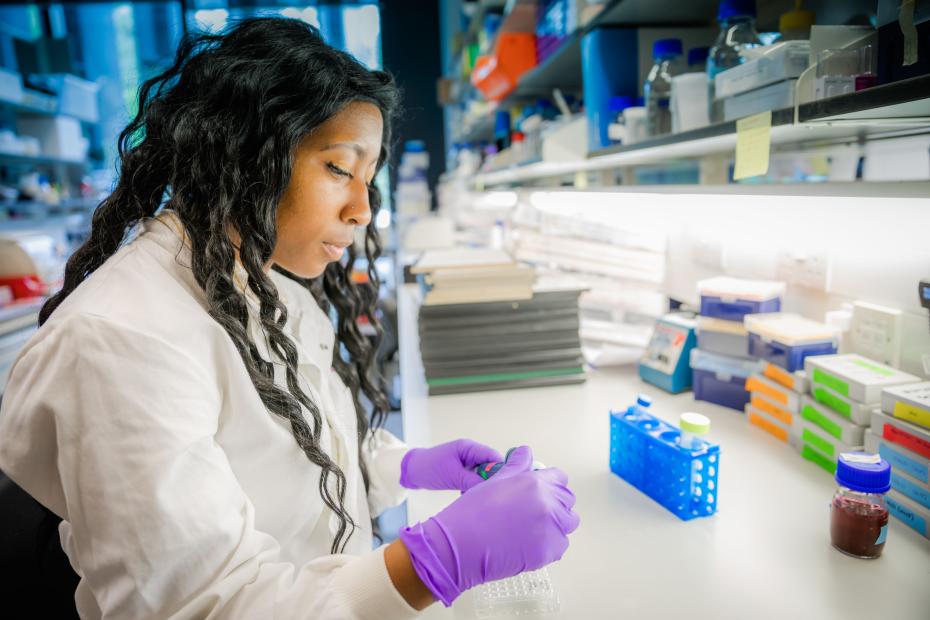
(737, 19)
(658, 87)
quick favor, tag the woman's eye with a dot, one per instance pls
(338, 171)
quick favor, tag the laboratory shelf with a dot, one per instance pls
(563, 68)
(484, 7)
(893, 110)
(27, 160)
(906, 100)
(33, 110)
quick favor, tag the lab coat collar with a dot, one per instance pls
(307, 325)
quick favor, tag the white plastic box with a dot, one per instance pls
(857, 377)
(59, 136)
(825, 443)
(731, 299)
(787, 339)
(11, 86)
(785, 398)
(832, 424)
(908, 402)
(773, 63)
(722, 337)
(859, 413)
(795, 381)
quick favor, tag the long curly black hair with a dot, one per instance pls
(214, 139)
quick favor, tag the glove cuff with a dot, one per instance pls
(404, 464)
(427, 564)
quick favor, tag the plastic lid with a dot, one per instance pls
(666, 48)
(644, 401)
(694, 423)
(711, 324)
(754, 290)
(736, 8)
(618, 104)
(866, 473)
(734, 367)
(414, 146)
(789, 329)
(796, 19)
(698, 55)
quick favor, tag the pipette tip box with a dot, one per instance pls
(731, 299)
(645, 452)
(721, 380)
(786, 339)
(909, 512)
(854, 376)
(908, 402)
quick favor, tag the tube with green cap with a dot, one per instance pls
(693, 426)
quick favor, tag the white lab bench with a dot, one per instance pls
(765, 554)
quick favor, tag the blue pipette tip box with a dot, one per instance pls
(645, 452)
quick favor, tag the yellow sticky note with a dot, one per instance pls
(753, 142)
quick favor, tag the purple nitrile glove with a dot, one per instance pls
(446, 466)
(519, 520)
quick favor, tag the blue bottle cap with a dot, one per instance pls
(698, 55)
(643, 401)
(666, 48)
(618, 104)
(736, 8)
(414, 146)
(866, 473)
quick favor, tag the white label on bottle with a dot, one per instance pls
(873, 459)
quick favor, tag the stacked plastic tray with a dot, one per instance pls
(775, 400)
(722, 361)
(844, 392)
(900, 433)
(783, 341)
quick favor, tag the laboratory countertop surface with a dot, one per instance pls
(766, 553)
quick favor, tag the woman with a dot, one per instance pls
(187, 408)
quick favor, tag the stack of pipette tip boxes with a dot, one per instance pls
(675, 467)
(844, 390)
(722, 361)
(782, 341)
(900, 433)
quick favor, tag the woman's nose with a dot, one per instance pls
(357, 210)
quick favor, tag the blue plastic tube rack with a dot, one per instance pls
(645, 452)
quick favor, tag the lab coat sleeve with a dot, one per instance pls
(383, 453)
(160, 525)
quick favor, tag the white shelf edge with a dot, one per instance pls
(782, 134)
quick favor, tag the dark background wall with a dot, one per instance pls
(411, 52)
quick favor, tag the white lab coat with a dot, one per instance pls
(131, 415)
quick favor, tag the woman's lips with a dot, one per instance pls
(334, 250)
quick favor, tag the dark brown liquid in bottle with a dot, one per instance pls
(856, 527)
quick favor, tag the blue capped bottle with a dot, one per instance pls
(737, 20)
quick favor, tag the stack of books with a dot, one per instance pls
(496, 330)
(468, 275)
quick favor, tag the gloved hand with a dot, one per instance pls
(516, 521)
(446, 466)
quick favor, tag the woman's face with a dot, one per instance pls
(327, 197)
